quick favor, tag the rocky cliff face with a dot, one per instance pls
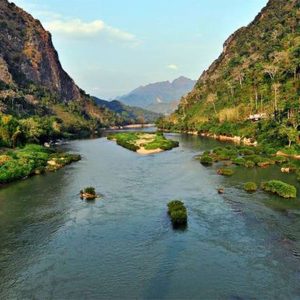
(27, 54)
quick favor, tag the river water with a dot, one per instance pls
(53, 245)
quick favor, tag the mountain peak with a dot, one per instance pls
(165, 91)
(183, 81)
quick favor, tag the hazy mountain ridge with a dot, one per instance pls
(128, 114)
(159, 92)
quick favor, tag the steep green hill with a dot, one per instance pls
(258, 72)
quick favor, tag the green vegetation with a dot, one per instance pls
(145, 142)
(280, 159)
(160, 142)
(88, 193)
(280, 188)
(225, 172)
(128, 114)
(298, 174)
(252, 89)
(248, 157)
(31, 160)
(126, 140)
(178, 213)
(249, 164)
(206, 160)
(90, 190)
(250, 187)
(239, 161)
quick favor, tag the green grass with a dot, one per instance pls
(280, 188)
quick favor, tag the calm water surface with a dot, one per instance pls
(237, 246)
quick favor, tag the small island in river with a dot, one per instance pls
(142, 142)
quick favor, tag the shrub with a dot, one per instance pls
(206, 160)
(246, 151)
(32, 159)
(269, 150)
(160, 142)
(280, 188)
(127, 145)
(280, 159)
(266, 163)
(90, 190)
(291, 166)
(177, 212)
(227, 153)
(250, 187)
(239, 161)
(225, 172)
(249, 164)
(4, 159)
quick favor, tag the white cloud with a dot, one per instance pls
(80, 29)
(75, 27)
(172, 67)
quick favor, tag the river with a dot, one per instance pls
(53, 245)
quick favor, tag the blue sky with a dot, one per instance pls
(110, 47)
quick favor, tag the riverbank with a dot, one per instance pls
(32, 160)
(132, 126)
(221, 137)
(288, 152)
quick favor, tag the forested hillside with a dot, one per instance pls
(258, 73)
(38, 99)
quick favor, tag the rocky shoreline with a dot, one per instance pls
(222, 138)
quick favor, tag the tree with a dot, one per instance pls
(33, 129)
(211, 98)
(290, 133)
(16, 137)
(276, 87)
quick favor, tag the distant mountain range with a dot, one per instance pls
(128, 114)
(159, 97)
